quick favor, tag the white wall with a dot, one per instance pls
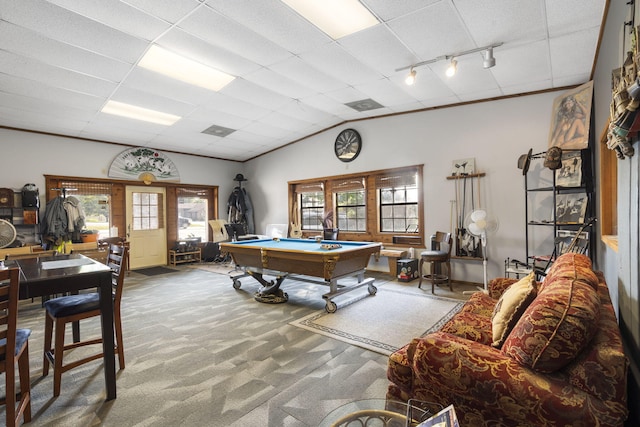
(494, 133)
(27, 157)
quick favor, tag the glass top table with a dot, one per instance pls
(380, 413)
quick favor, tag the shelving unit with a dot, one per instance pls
(555, 225)
(25, 220)
(176, 257)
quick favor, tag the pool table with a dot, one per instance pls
(327, 260)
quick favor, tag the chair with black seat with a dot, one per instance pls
(74, 308)
(440, 254)
(14, 348)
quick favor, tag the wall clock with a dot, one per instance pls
(348, 145)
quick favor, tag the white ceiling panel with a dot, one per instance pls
(62, 60)
(218, 30)
(52, 52)
(119, 16)
(275, 21)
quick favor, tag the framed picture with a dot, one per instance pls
(570, 173)
(463, 167)
(570, 118)
(565, 241)
(571, 208)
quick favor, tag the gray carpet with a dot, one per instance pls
(200, 353)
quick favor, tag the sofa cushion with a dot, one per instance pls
(562, 319)
(513, 302)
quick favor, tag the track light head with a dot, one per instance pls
(451, 70)
(488, 59)
(411, 78)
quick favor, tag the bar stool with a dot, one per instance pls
(437, 256)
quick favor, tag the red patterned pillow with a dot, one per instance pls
(560, 322)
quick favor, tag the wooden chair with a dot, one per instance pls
(14, 347)
(437, 256)
(40, 254)
(74, 308)
(14, 251)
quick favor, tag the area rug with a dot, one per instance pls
(227, 269)
(385, 322)
(154, 271)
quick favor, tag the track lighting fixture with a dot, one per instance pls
(488, 61)
(452, 68)
(411, 78)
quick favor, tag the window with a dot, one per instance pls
(375, 206)
(147, 211)
(398, 195)
(95, 200)
(193, 208)
(351, 206)
(311, 198)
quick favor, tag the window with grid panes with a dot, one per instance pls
(351, 207)
(398, 196)
(147, 211)
(311, 200)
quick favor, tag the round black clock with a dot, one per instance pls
(348, 145)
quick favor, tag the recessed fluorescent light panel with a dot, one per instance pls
(177, 67)
(138, 113)
(337, 18)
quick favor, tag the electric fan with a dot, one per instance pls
(480, 224)
(7, 233)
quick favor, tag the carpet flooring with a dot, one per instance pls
(200, 353)
(155, 271)
(398, 317)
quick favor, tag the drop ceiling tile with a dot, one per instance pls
(210, 117)
(526, 65)
(152, 101)
(326, 104)
(333, 60)
(33, 69)
(433, 31)
(573, 15)
(20, 40)
(275, 21)
(492, 21)
(68, 27)
(221, 31)
(278, 83)
(118, 15)
(573, 53)
(255, 94)
(303, 111)
(38, 90)
(169, 10)
(378, 48)
(307, 75)
(199, 50)
(385, 92)
(143, 80)
(388, 10)
(236, 106)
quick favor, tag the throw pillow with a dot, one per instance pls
(513, 302)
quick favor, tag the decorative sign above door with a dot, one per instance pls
(144, 164)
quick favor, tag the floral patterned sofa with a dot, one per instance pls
(557, 362)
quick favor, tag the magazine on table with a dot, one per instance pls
(445, 418)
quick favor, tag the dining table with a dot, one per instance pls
(71, 273)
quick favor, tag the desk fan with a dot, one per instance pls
(7, 233)
(480, 224)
